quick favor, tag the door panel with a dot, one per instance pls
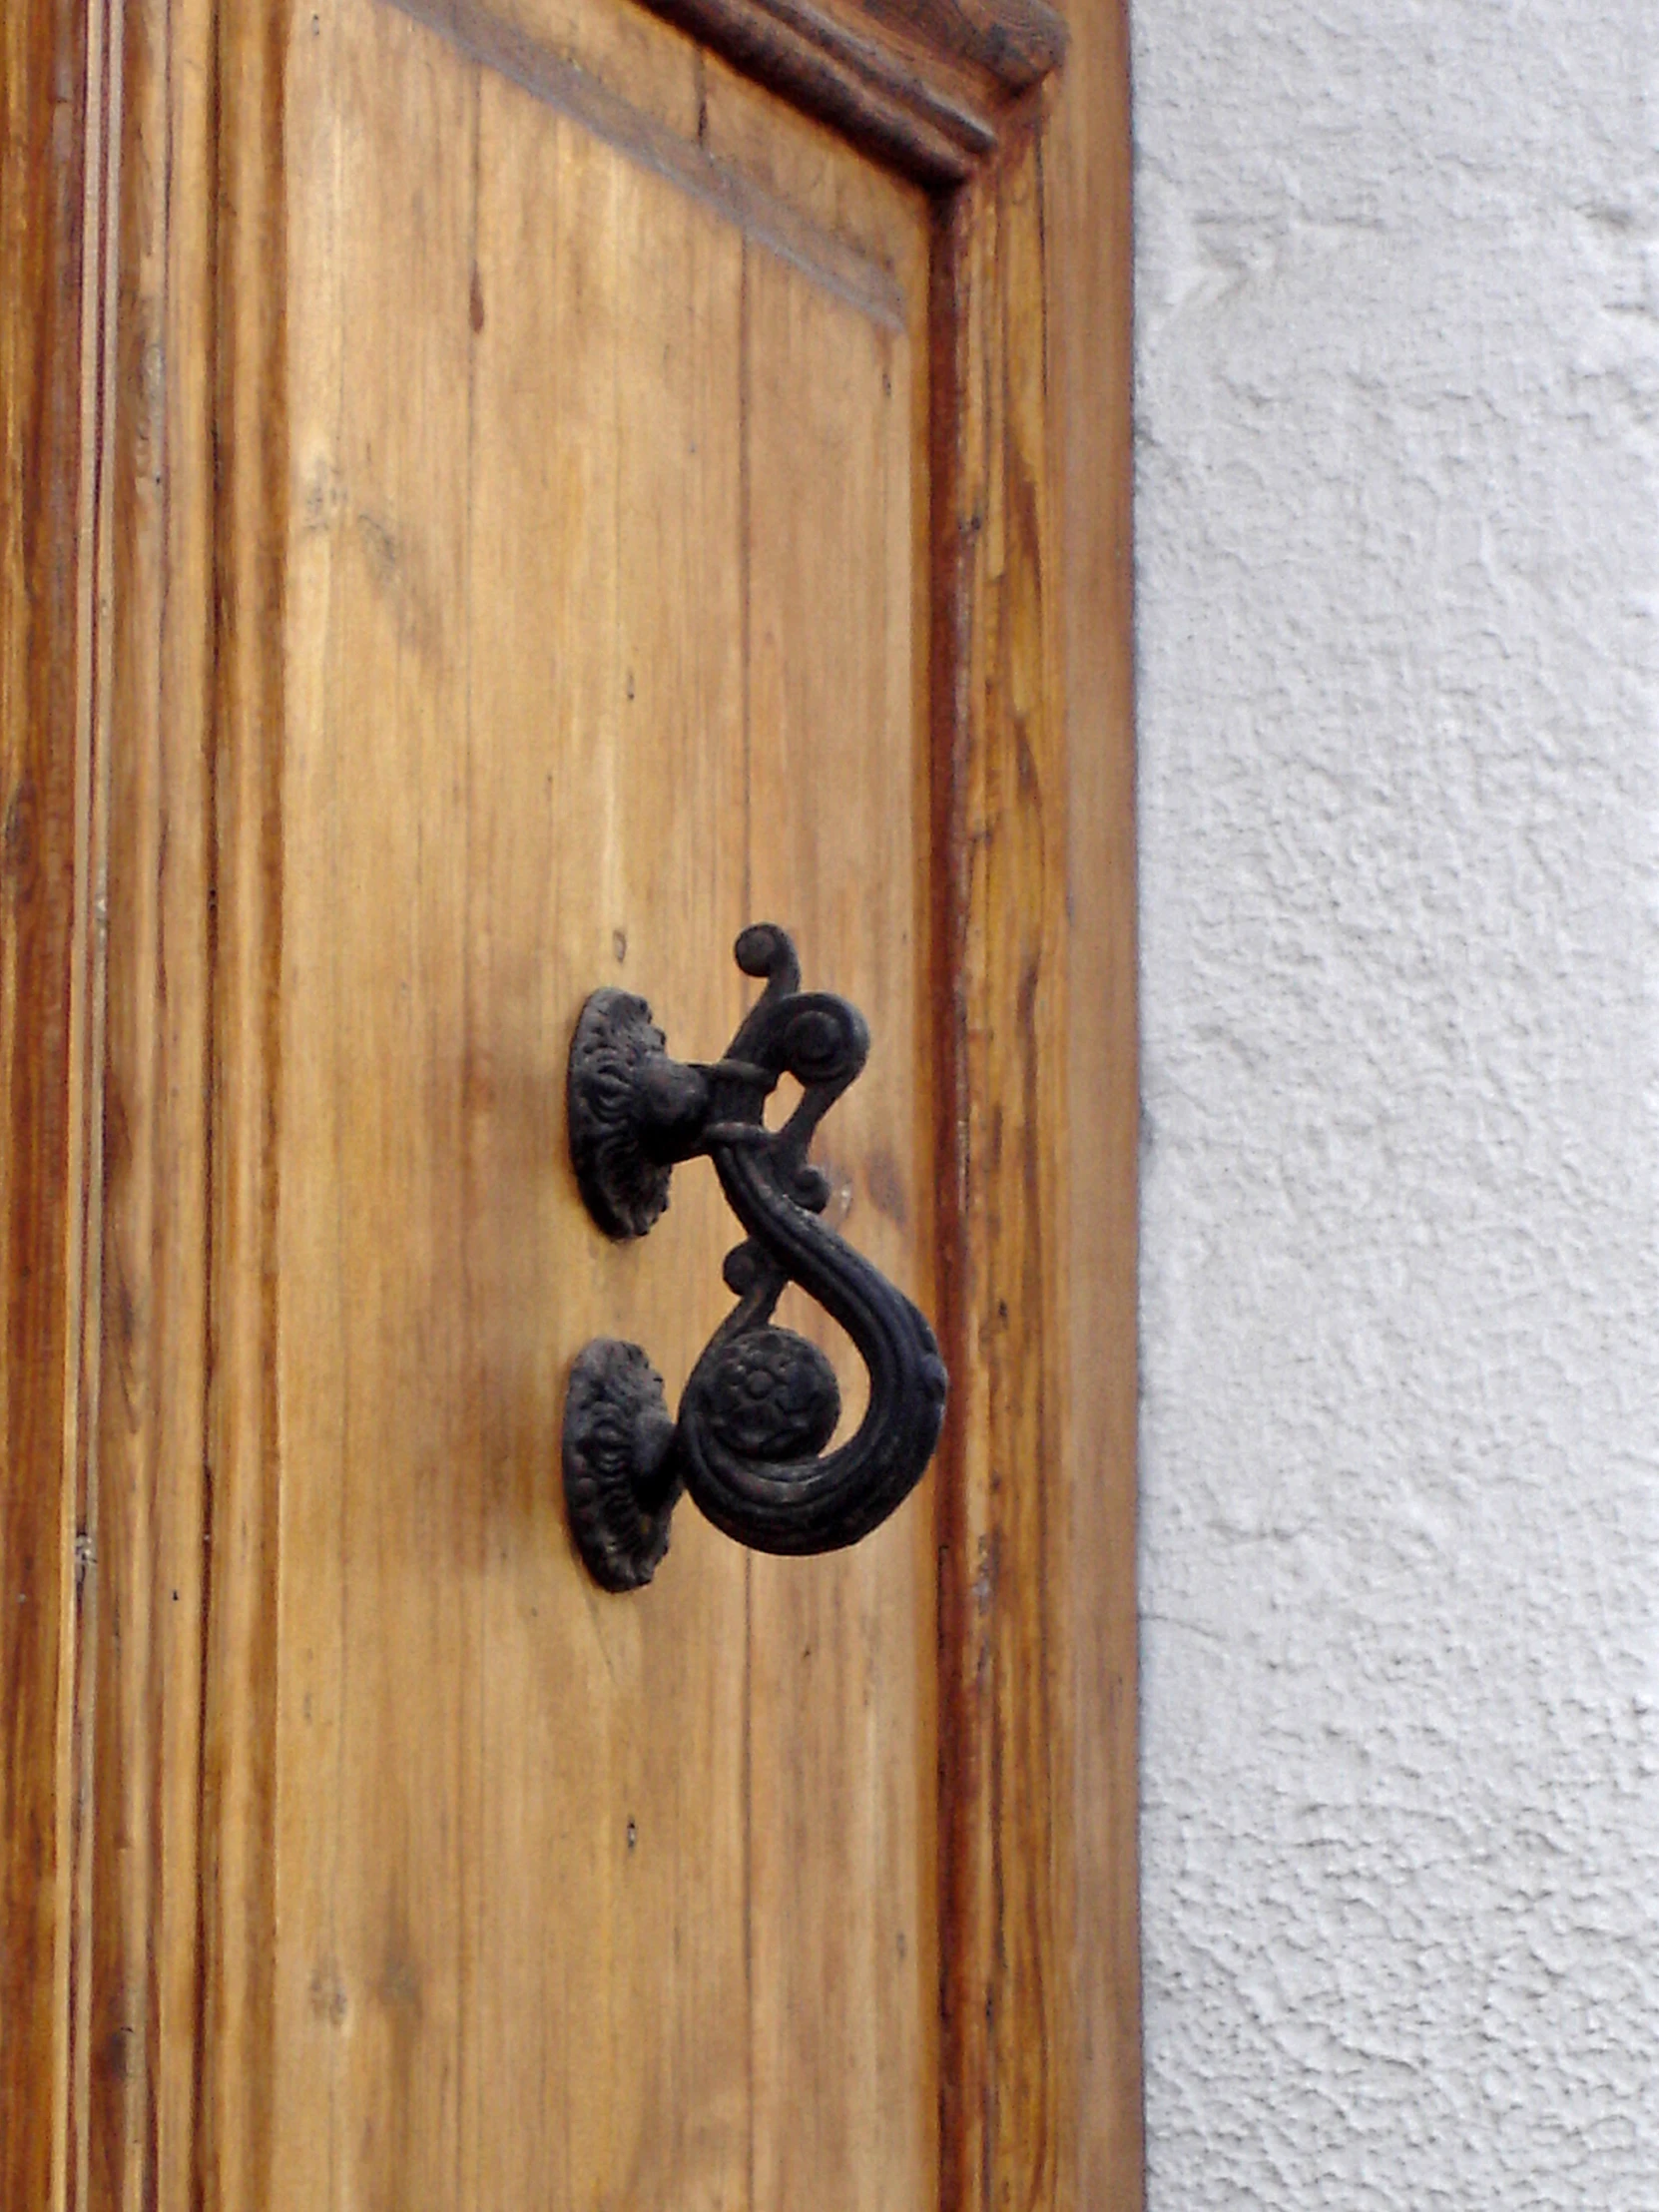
(605, 634)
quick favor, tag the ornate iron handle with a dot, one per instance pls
(762, 1402)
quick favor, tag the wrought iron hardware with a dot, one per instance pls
(761, 1401)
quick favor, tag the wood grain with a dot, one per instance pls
(1086, 174)
(1033, 712)
(842, 1707)
(1016, 42)
(522, 1890)
(44, 709)
(644, 122)
(240, 1532)
(611, 813)
(927, 86)
(377, 1512)
(138, 2028)
(1008, 2115)
(536, 537)
(514, 1902)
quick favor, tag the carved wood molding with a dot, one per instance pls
(926, 84)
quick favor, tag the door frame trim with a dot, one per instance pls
(1033, 762)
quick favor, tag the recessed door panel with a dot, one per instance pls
(605, 634)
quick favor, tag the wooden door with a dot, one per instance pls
(521, 489)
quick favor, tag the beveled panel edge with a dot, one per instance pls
(925, 85)
(513, 53)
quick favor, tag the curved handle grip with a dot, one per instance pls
(762, 1402)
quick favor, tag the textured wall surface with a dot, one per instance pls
(1399, 543)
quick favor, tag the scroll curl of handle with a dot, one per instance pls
(762, 1402)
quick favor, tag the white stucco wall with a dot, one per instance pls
(1399, 574)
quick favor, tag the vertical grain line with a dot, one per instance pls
(211, 1149)
(334, 653)
(469, 1180)
(948, 642)
(744, 550)
(83, 1270)
(49, 125)
(234, 2149)
(154, 1696)
(210, 1140)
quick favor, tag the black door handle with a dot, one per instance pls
(762, 1402)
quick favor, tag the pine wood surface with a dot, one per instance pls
(1086, 183)
(47, 416)
(434, 678)
(1009, 2077)
(133, 2021)
(929, 86)
(521, 730)
(843, 1896)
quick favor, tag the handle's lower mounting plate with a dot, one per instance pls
(617, 1435)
